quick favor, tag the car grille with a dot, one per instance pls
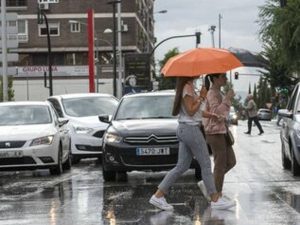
(151, 140)
(99, 134)
(11, 144)
(17, 161)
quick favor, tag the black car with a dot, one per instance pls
(141, 136)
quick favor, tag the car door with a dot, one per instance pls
(63, 133)
(289, 123)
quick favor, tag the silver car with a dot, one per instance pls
(33, 137)
(82, 111)
(290, 133)
(264, 114)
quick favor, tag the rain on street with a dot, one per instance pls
(265, 193)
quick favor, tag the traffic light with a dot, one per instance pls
(198, 38)
(236, 75)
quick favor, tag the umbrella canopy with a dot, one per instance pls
(200, 61)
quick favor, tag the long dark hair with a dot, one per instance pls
(210, 79)
(180, 82)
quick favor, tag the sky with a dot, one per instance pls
(239, 28)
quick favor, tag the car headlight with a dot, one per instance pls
(47, 140)
(83, 130)
(112, 138)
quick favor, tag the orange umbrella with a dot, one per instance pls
(200, 61)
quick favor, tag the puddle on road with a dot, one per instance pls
(291, 199)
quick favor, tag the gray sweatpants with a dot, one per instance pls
(191, 144)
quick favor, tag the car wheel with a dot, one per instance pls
(122, 176)
(68, 164)
(58, 169)
(108, 175)
(75, 159)
(295, 167)
(286, 163)
(198, 174)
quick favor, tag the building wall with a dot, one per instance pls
(136, 14)
(35, 90)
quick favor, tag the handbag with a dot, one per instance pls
(229, 137)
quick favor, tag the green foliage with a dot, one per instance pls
(11, 92)
(169, 82)
(280, 32)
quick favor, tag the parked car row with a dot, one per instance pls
(137, 133)
(54, 133)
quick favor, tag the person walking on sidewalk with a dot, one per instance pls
(216, 128)
(252, 115)
(187, 105)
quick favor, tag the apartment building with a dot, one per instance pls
(67, 22)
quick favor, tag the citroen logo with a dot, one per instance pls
(7, 144)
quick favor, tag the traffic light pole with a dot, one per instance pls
(197, 35)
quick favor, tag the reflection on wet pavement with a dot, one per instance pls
(265, 193)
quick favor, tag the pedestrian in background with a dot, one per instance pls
(187, 105)
(252, 115)
(216, 128)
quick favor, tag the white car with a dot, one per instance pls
(33, 137)
(82, 111)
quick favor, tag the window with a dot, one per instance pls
(53, 29)
(16, 3)
(75, 27)
(23, 30)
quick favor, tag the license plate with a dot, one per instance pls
(11, 154)
(153, 151)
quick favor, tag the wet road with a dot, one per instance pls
(265, 193)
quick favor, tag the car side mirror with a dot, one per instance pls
(285, 113)
(105, 118)
(62, 121)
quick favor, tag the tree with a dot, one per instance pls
(280, 30)
(169, 82)
(11, 92)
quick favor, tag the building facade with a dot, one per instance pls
(67, 22)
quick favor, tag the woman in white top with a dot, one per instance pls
(191, 144)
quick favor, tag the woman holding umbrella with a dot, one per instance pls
(215, 129)
(187, 105)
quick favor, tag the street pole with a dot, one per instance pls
(113, 3)
(49, 55)
(120, 70)
(91, 54)
(4, 50)
(212, 30)
(220, 17)
(40, 15)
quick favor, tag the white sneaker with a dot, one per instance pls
(222, 204)
(202, 187)
(160, 203)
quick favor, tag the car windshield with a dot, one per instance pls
(145, 107)
(89, 106)
(24, 115)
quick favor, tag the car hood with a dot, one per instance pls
(146, 127)
(27, 132)
(90, 121)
